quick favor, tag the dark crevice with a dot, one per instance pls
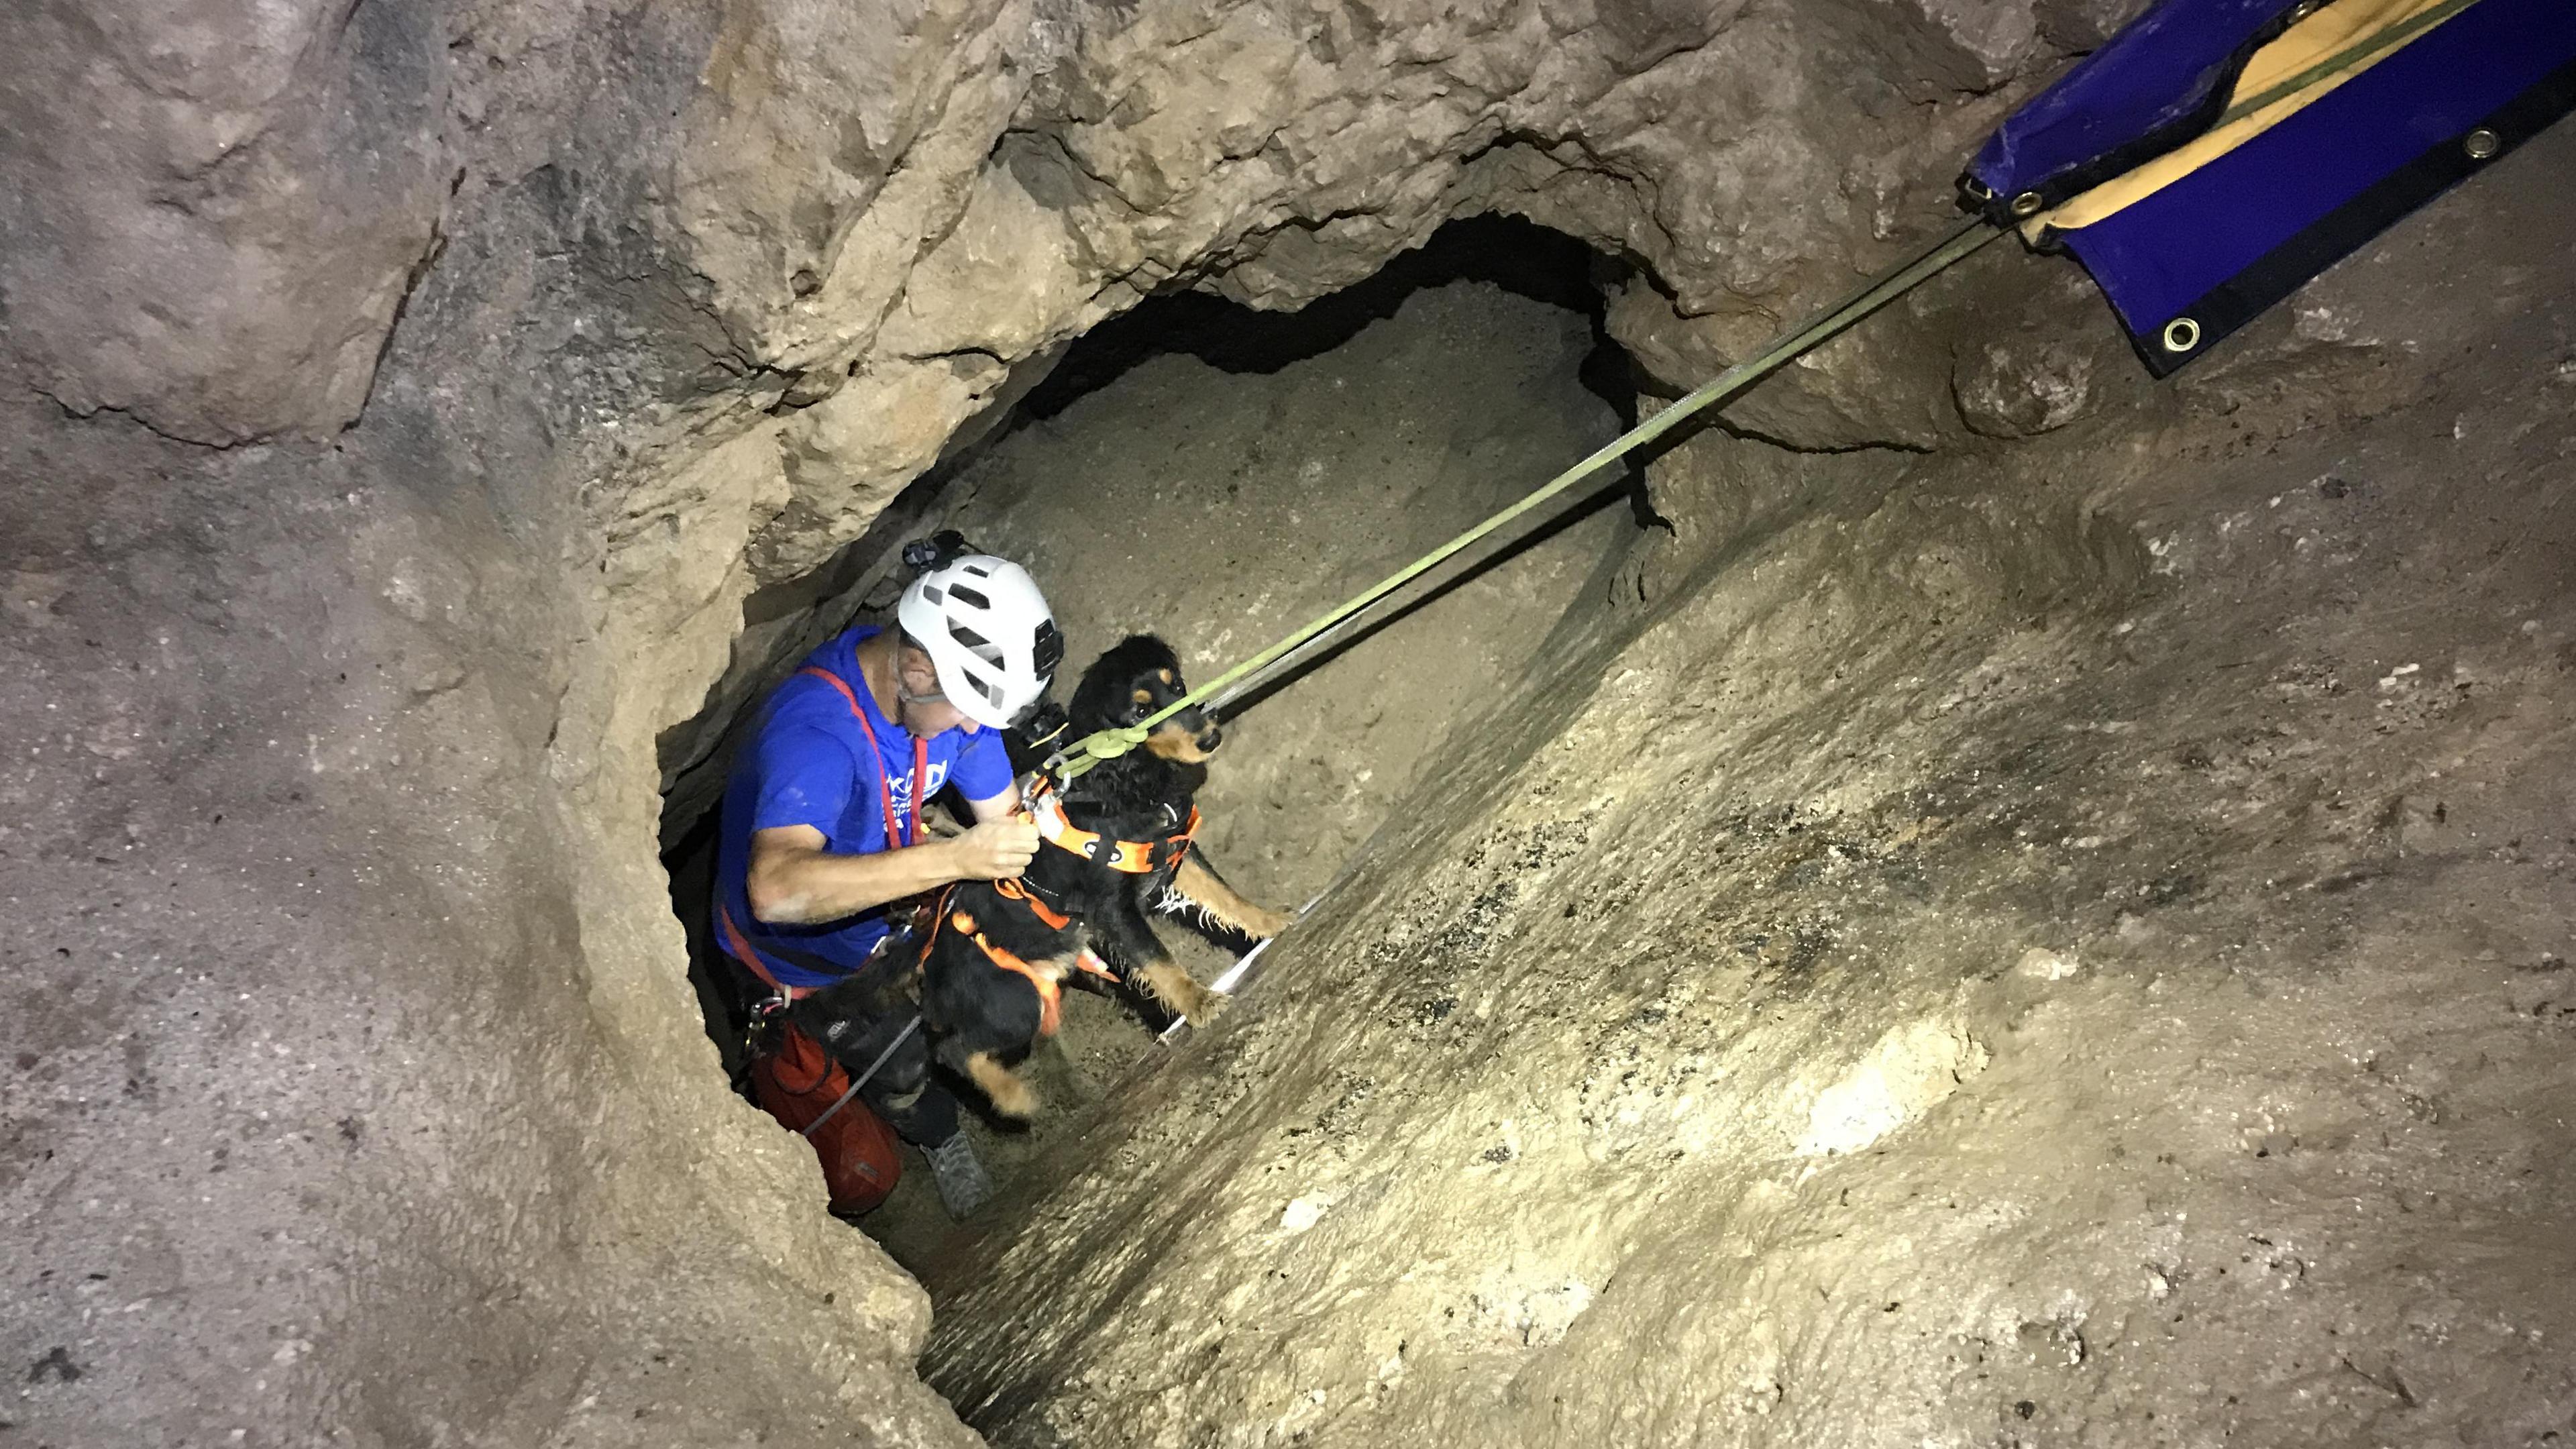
(104, 413)
(430, 253)
(1517, 256)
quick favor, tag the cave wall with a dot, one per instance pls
(408, 398)
(2052, 941)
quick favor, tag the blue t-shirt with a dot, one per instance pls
(806, 763)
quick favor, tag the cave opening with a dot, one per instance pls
(1217, 475)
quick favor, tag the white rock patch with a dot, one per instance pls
(1912, 1069)
(1305, 1212)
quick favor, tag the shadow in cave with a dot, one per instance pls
(1520, 257)
(1514, 256)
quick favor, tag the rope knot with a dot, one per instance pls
(1110, 744)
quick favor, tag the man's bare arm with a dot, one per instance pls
(794, 881)
(999, 807)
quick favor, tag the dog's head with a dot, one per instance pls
(1132, 682)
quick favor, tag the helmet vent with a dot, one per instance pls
(932, 593)
(983, 647)
(972, 598)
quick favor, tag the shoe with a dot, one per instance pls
(963, 1185)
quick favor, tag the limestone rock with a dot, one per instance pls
(1866, 388)
(827, 147)
(2022, 386)
(1006, 282)
(212, 220)
(1911, 1070)
(848, 455)
(349, 972)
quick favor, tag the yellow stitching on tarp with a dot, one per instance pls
(2311, 45)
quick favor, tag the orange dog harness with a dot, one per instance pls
(1134, 857)
(1050, 992)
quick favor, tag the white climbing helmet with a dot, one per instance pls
(988, 631)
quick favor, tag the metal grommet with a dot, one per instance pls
(2027, 204)
(2482, 143)
(2302, 11)
(2181, 335)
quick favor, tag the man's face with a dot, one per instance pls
(925, 717)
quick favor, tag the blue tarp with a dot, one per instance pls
(2191, 262)
(2157, 84)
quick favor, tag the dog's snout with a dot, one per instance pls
(1191, 735)
(1201, 724)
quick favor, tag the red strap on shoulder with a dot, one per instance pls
(885, 787)
(837, 682)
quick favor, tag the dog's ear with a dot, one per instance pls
(1105, 697)
(1099, 697)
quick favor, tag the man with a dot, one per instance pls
(821, 841)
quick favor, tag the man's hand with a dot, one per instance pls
(793, 880)
(996, 849)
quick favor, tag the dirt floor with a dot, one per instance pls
(2055, 941)
(1262, 470)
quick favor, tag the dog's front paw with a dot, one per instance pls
(1261, 925)
(1205, 1009)
(1173, 987)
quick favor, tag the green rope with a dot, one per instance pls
(1885, 288)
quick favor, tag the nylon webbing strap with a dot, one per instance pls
(1885, 288)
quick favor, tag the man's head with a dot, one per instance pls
(979, 645)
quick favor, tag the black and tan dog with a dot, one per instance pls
(1118, 849)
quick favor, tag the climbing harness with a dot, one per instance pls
(738, 943)
(1039, 906)
(911, 834)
